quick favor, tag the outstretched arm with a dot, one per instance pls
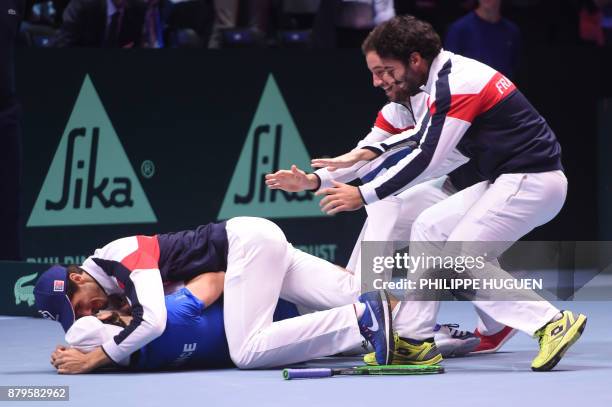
(345, 160)
(294, 180)
(392, 119)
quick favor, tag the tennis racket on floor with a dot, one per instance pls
(387, 370)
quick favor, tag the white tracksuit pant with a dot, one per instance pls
(263, 267)
(502, 211)
(393, 218)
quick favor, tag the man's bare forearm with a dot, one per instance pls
(207, 287)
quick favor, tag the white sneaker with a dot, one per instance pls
(452, 341)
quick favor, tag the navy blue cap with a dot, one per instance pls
(51, 298)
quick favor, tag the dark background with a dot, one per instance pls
(189, 111)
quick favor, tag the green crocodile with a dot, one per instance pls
(24, 292)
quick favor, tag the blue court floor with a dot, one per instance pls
(582, 378)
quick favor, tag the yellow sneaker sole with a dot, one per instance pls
(433, 361)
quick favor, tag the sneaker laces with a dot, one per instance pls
(540, 335)
(454, 331)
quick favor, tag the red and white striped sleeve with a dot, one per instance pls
(392, 119)
(130, 265)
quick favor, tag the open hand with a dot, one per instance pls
(294, 180)
(340, 198)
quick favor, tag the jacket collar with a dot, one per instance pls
(436, 65)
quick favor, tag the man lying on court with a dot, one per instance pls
(194, 337)
(260, 267)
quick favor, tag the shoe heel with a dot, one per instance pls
(384, 296)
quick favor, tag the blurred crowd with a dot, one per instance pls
(302, 23)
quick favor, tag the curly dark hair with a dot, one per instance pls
(401, 36)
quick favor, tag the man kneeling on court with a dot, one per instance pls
(260, 267)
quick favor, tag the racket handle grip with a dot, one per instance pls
(289, 374)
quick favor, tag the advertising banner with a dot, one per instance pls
(117, 144)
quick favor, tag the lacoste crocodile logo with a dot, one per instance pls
(25, 293)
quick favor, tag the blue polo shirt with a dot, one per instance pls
(194, 336)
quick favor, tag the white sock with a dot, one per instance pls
(359, 309)
(395, 311)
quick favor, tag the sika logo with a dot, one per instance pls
(90, 180)
(273, 142)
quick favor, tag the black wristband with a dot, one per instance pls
(318, 182)
(362, 198)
